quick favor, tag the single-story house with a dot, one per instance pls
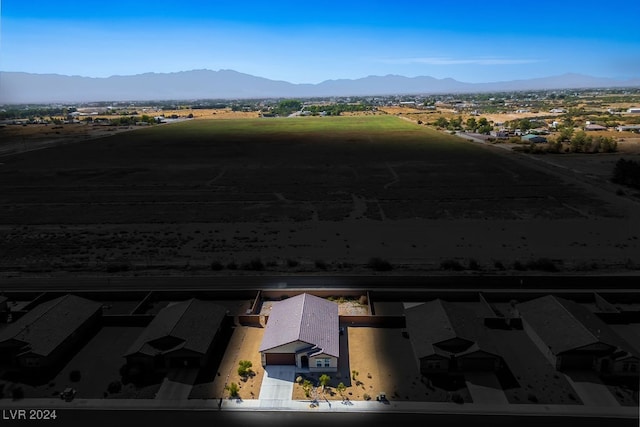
(302, 331)
(573, 337)
(446, 337)
(536, 139)
(628, 128)
(183, 334)
(634, 110)
(594, 127)
(47, 333)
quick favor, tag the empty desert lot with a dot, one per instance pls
(338, 188)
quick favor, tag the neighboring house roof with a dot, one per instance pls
(49, 324)
(438, 321)
(565, 325)
(187, 325)
(305, 318)
(594, 127)
(534, 138)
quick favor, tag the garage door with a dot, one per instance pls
(281, 359)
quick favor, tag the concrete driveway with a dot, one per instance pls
(277, 386)
(590, 388)
(177, 384)
(485, 388)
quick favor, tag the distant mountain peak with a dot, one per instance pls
(22, 88)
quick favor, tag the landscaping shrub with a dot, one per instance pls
(233, 389)
(244, 370)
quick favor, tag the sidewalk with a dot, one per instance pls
(323, 406)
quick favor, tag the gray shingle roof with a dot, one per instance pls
(565, 325)
(49, 324)
(189, 325)
(437, 321)
(304, 318)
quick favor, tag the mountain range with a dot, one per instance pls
(23, 88)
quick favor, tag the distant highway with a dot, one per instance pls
(262, 282)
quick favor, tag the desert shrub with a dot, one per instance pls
(74, 376)
(233, 389)
(517, 265)
(366, 396)
(114, 387)
(362, 300)
(292, 263)
(542, 264)
(627, 172)
(244, 370)
(379, 264)
(451, 264)
(115, 267)
(216, 265)
(255, 264)
(306, 386)
(324, 379)
(320, 264)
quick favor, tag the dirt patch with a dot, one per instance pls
(243, 345)
(383, 362)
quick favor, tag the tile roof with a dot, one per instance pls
(438, 321)
(306, 318)
(49, 324)
(565, 325)
(189, 325)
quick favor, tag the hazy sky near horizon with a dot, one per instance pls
(309, 42)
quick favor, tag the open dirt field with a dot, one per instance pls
(339, 190)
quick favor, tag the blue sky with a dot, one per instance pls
(308, 42)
